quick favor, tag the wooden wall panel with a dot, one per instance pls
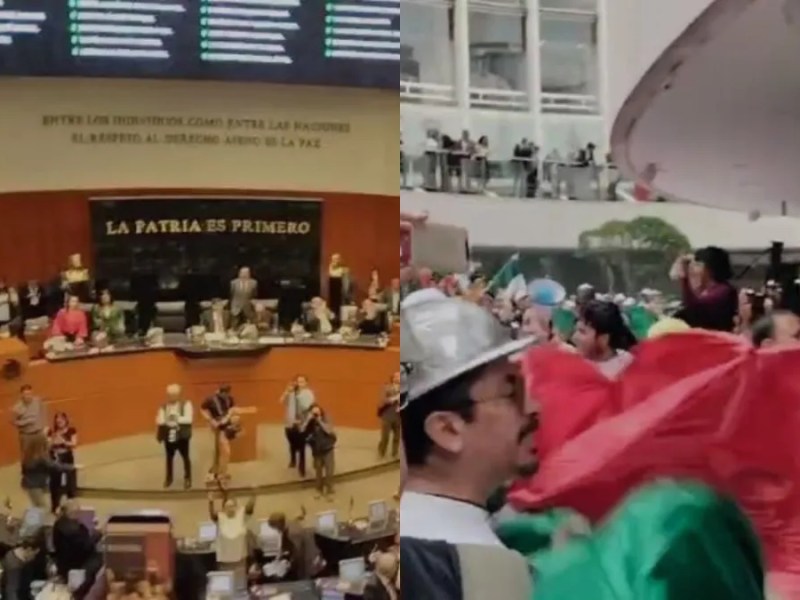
(38, 230)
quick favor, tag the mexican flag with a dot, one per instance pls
(509, 280)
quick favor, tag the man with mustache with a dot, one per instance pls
(467, 428)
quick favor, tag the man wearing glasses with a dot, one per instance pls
(466, 429)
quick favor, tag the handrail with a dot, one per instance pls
(571, 103)
(496, 98)
(433, 171)
(427, 92)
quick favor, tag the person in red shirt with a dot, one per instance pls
(71, 322)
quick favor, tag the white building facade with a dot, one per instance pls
(506, 69)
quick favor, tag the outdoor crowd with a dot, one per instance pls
(599, 446)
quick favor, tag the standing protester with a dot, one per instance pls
(390, 419)
(174, 430)
(779, 328)
(602, 337)
(63, 440)
(322, 439)
(29, 417)
(220, 411)
(297, 401)
(232, 529)
(467, 428)
(709, 299)
(37, 468)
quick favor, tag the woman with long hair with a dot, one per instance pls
(107, 317)
(63, 440)
(710, 301)
(37, 467)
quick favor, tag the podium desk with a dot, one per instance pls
(245, 447)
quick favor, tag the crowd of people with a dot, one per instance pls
(49, 471)
(466, 165)
(44, 563)
(79, 311)
(477, 401)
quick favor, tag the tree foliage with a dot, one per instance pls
(642, 233)
(614, 243)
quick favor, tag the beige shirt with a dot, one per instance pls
(232, 536)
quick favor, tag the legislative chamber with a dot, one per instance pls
(199, 350)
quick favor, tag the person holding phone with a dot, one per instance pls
(297, 401)
(222, 415)
(63, 439)
(322, 439)
(390, 418)
(174, 430)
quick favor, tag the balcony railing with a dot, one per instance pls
(574, 104)
(427, 93)
(438, 171)
(498, 99)
(511, 100)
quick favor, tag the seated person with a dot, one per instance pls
(71, 322)
(289, 553)
(216, 319)
(108, 318)
(382, 583)
(17, 569)
(319, 318)
(371, 320)
(75, 547)
(262, 318)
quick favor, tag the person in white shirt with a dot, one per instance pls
(297, 400)
(466, 423)
(174, 430)
(232, 530)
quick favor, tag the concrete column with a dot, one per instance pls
(462, 68)
(533, 59)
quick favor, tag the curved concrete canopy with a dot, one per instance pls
(716, 120)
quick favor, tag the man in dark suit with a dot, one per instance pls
(243, 291)
(216, 319)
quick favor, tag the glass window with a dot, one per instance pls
(590, 5)
(497, 47)
(569, 60)
(426, 36)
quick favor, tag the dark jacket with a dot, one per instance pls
(36, 475)
(16, 579)
(375, 590)
(320, 441)
(74, 545)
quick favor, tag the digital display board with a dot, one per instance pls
(352, 43)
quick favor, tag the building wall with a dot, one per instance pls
(41, 229)
(109, 133)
